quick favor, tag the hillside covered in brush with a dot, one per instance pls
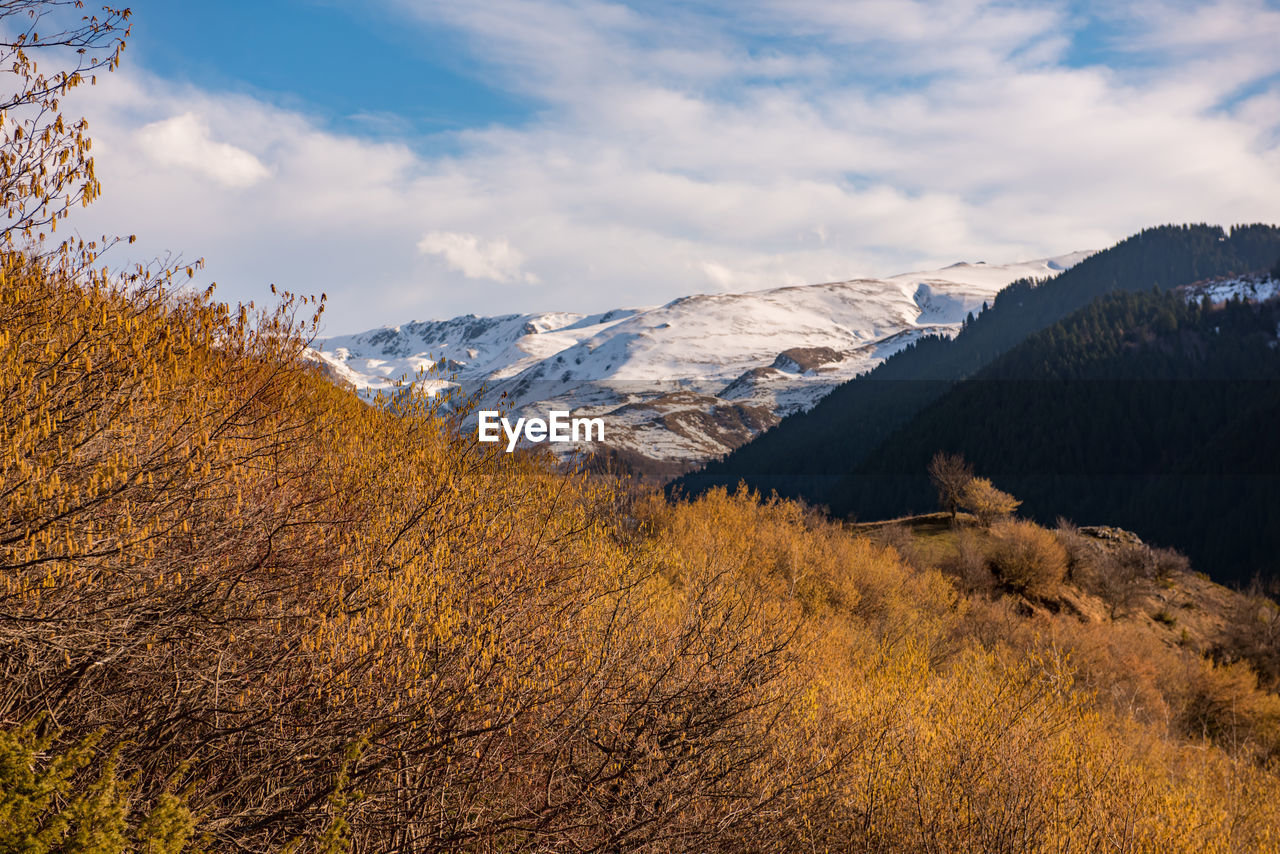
(243, 610)
(808, 454)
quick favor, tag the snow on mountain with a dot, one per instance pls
(685, 381)
(1255, 288)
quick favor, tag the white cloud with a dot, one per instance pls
(721, 276)
(861, 139)
(184, 141)
(477, 258)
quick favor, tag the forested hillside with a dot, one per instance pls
(1145, 410)
(808, 454)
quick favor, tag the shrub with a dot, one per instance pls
(1082, 552)
(1252, 633)
(230, 570)
(1223, 703)
(1117, 575)
(1027, 558)
(49, 803)
(986, 502)
(899, 537)
(969, 563)
(1169, 562)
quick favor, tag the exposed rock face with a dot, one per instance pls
(1112, 535)
(799, 360)
(330, 371)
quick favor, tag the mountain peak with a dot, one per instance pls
(780, 349)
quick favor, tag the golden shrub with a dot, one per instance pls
(986, 502)
(329, 625)
(1026, 557)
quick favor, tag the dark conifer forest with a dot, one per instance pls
(1142, 410)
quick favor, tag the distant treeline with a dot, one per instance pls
(1142, 410)
(1113, 427)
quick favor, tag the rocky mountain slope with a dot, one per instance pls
(686, 381)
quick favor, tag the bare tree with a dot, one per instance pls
(45, 166)
(950, 475)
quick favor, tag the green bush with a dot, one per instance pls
(55, 801)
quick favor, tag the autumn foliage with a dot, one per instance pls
(1027, 558)
(985, 502)
(47, 49)
(240, 609)
(259, 586)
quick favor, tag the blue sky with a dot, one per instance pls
(425, 158)
(355, 67)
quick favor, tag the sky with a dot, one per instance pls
(419, 159)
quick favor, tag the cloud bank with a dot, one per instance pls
(684, 147)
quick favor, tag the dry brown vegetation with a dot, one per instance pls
(1027, 558)
(243, 611)
(310, 616)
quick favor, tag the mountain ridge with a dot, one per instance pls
(693, 358)
(807, 453)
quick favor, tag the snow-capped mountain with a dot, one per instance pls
(685, 381)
